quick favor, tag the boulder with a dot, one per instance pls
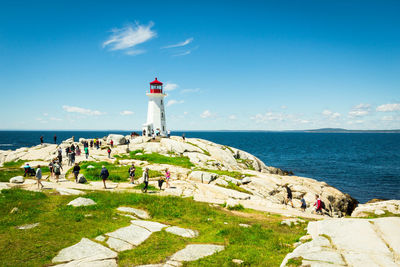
(81, 201)
(377, 207)
(379, 212)
(90, 167)
(69, 191)
(246, 180)
(203, 177)
(82, 179)
(17, 180)
(118, 139)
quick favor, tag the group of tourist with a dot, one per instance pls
(319, 204)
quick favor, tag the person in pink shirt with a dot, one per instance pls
(167, 177)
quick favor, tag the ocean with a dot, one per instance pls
(364, 165)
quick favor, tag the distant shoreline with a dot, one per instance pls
(323, 130)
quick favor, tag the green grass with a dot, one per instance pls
(118, 173)
(205, 152)
(236, 207)
(295, 262)
(233, 174)
(13, 168)
(160, 159)
(234, 186)
(149, 188)
(246, 162)
(265, 242)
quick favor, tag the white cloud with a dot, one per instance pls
(355, 122)
(388, 107)
(186, 42)
(195, 90)
(84, 111)
(130, 36)
(170, 86)
(126, 112)
(270, 116)
(174, 102)
(41, 120)
(387, 118)
(232, 117)
(183, 53)
(330, 114)
(206, 114)
(45, 114)
(283, 107)
(185, 113)
(360, 110)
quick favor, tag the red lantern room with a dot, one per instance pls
(156, 87)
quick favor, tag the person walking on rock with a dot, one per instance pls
(109, 152)
(112, 143)
(167, 177)
(39, 177)
(57, 170)
(41, 140)
(160, 182)
(51, 169)
(289, 196)
(76, 170)
(86, 152)
(132, 171)
(145, 180)
(318, 205)
(59, 155)
(104, 175)
(303, 203)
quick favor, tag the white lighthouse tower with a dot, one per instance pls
(155, 111)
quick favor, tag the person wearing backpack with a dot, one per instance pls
(132, 171)
(76, 170)
(318, 205)
(57, 170)
(104, 175)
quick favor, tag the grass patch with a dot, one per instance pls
(160, 159)
(247, 162)
(118, 173)
(236, 207)
(13, 168)
(62, 226)
(149, 188)
(298, 261)
(234, 186)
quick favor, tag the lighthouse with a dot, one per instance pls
(155, 110)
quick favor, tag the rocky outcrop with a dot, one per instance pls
(117, 139)
(377, 208)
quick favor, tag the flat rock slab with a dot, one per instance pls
(182, 231)
(149, 225)
(102, 263)
(100, 238)
(69, 191)
(351, 242)
(28, 226)
(118, 244)
(131, 234)
(84, 253)
(81, 201)
(4, 186)
(140, 213)
(196, 251)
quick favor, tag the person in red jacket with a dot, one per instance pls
(109, 152)
(318, 205)
(112, 143)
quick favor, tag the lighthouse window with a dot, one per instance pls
(162, 115)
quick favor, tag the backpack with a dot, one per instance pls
(323, 205)
(56, 168)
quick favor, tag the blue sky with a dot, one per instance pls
(235, 65)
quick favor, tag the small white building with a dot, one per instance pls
(155, 112)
